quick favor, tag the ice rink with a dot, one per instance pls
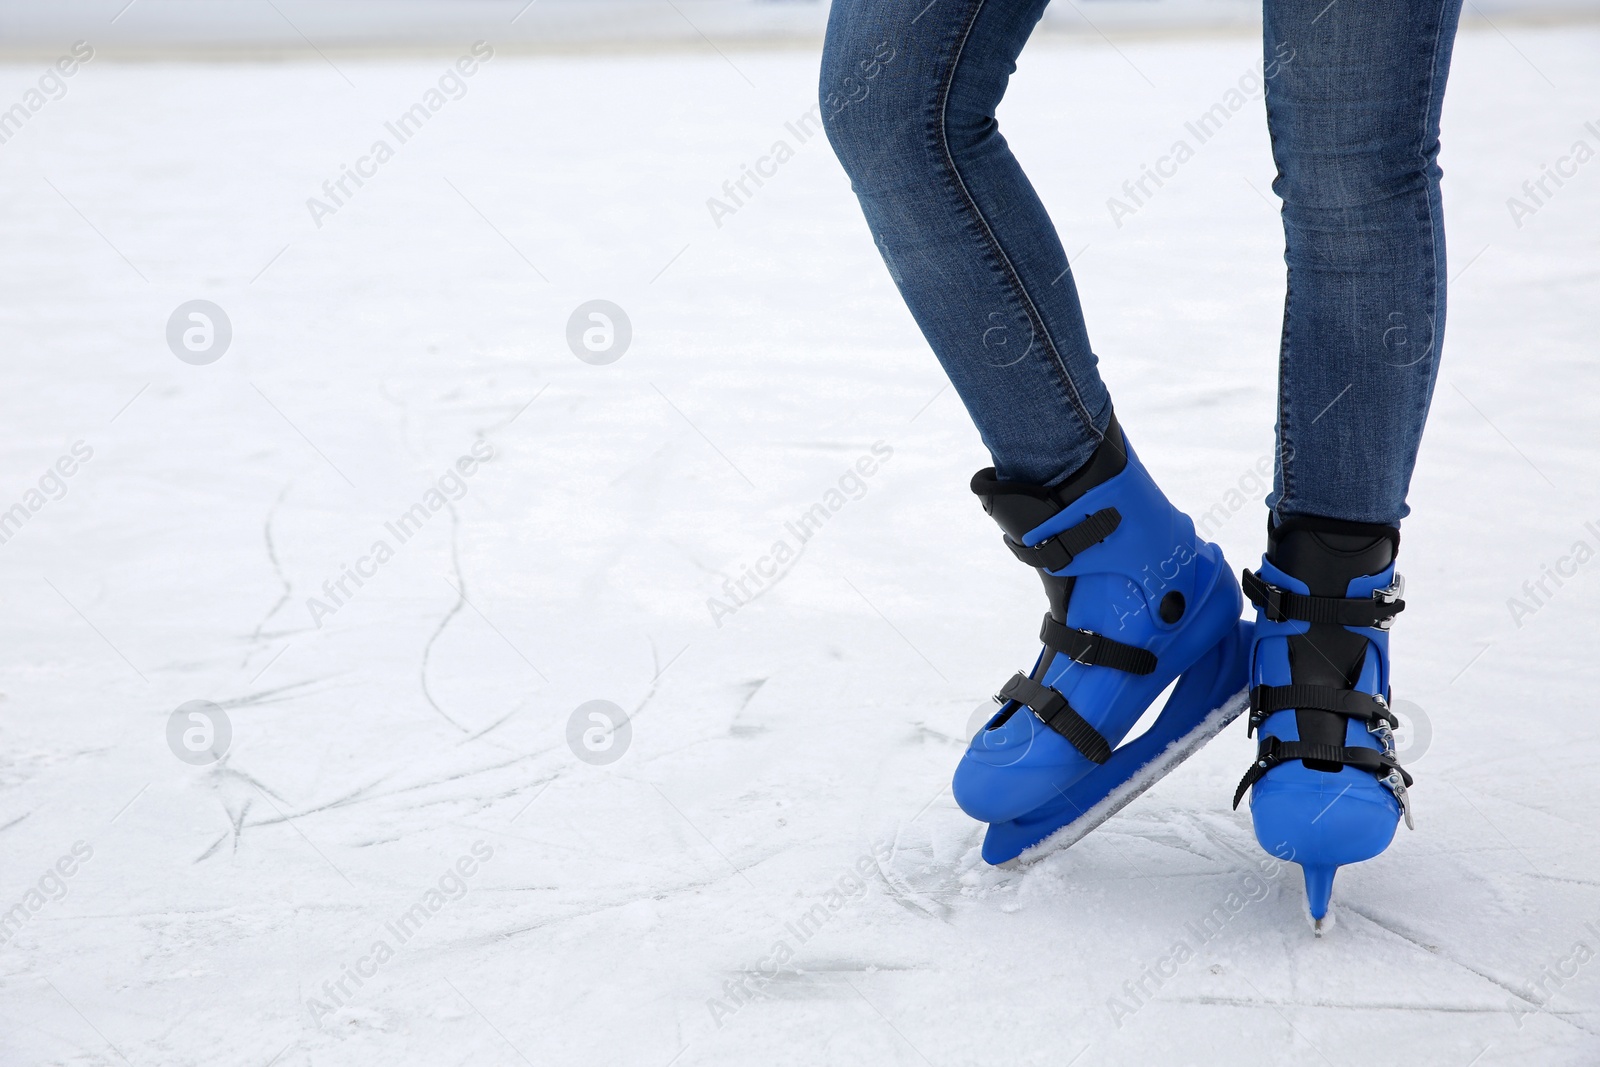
(409, 851)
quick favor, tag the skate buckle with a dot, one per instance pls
(1397, 786)
(1384, 734)
(1272, 604)
(1385, 722)
(1391, 595)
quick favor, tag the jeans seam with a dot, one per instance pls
(1439, 277)
(1036, 320)
(1284, 453)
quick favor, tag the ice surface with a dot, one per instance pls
(811, 735)
(147, 28)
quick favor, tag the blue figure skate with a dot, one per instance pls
(1327, 788)
(1137, 601)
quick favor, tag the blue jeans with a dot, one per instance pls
(1353, 92)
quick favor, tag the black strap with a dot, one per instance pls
(1053, 709)
(1274, 751)
(1281, 605)
(1265, 700)
(1095, 650)
(1058, 550)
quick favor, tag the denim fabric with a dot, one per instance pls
(909, 90)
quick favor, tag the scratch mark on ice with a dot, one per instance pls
(277, 567)
(455, 609)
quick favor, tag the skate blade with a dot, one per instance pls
(1319, 895)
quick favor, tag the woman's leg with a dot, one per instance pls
(1354, 116)
(1137, 601)
(909, 90)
